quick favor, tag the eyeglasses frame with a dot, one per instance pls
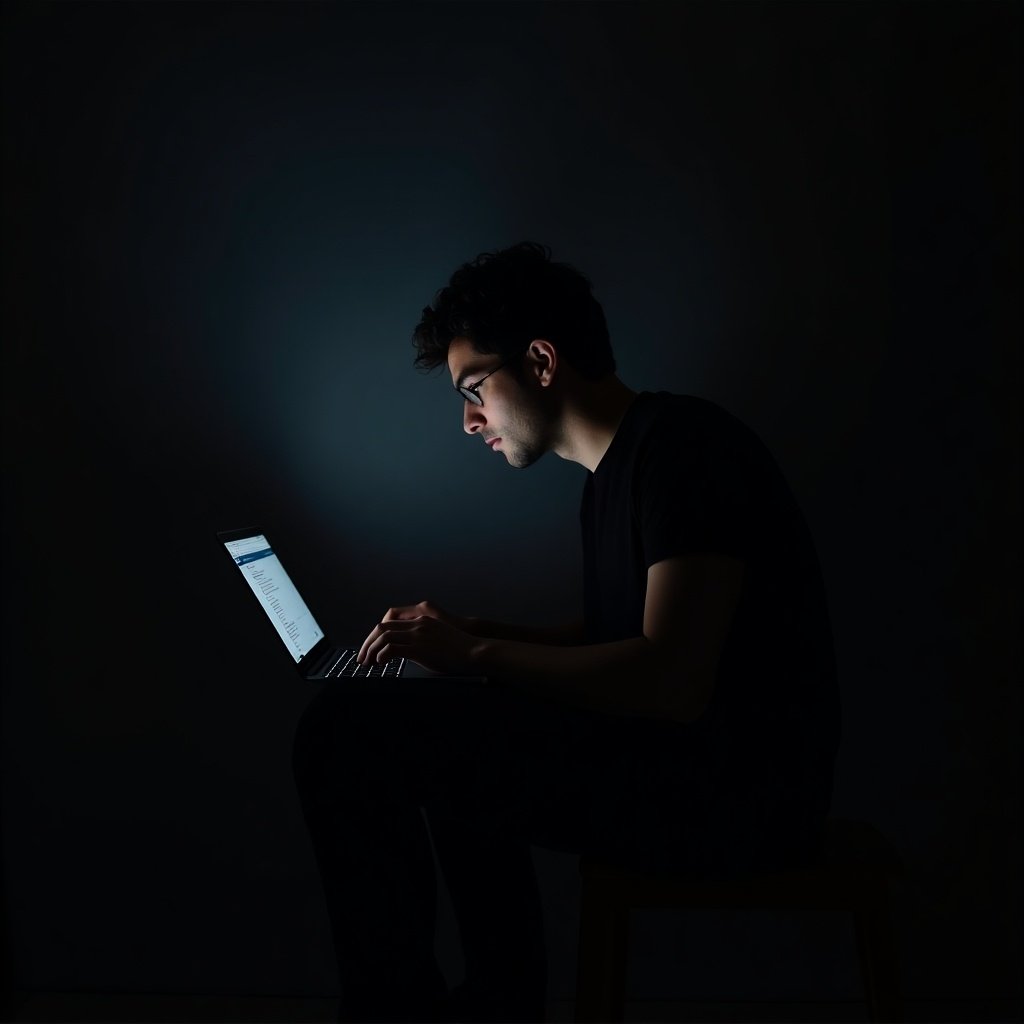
(470, 391)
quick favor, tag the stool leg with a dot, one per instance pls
(877, 951)
(602, 953)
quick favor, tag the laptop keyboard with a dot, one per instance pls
(346, 665)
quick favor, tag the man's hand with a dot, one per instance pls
(425, 609)
(426, 635)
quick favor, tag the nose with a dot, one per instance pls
(472, 418)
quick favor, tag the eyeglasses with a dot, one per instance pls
(469, 392)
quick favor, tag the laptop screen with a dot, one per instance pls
(281, 601)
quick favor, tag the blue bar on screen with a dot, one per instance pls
(252, 556)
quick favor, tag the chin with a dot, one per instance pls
(520, 458)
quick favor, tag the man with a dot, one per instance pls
(688, 721)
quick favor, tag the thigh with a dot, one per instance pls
(624, 789)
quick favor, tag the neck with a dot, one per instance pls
(590, 417)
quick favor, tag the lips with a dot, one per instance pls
(492, 442)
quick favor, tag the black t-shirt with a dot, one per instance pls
(682, 476)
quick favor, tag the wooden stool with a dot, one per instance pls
(851, 877)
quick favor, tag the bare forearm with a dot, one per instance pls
(627, 677)
(560, 635)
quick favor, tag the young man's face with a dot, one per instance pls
(511, 419)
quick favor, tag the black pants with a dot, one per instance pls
(493, 771)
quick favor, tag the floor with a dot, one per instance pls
(70, 1008)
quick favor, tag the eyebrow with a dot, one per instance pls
(462, 376)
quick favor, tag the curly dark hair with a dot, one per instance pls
(502, 300)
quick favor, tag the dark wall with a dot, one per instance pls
(220, 225)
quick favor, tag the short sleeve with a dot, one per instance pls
(690, 497)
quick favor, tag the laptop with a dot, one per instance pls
(312, 653)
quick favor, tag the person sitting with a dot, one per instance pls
(688, 719)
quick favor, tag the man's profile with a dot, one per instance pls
(686, 718)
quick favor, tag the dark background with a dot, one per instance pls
(220, 225)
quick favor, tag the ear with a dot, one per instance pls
(543, 360)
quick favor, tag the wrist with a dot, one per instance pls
(481, 655)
